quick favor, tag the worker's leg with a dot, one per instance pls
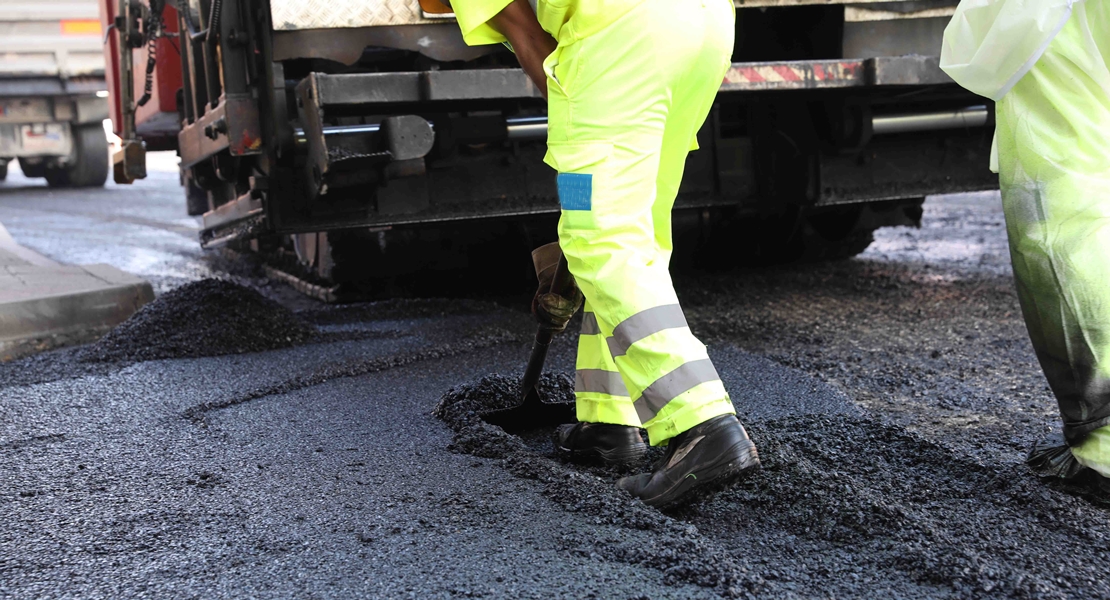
(1054, 166)
(598, 388)
(608, 108)
(691, 100)
(608, 428)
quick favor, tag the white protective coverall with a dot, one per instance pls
(1045, 63)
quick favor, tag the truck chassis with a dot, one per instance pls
(289, 134)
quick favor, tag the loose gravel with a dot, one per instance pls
(893, 399)
(845, 506)
(210, 317)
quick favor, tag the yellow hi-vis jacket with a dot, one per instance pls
(566, 20)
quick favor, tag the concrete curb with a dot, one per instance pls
(34, 324)
(44, 304)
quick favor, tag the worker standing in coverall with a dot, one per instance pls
(628, 84)
(1045, 63)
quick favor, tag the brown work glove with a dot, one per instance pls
(553, 309)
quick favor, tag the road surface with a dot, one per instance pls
(893, 398)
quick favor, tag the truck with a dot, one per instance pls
(53, 96)
(350, 138)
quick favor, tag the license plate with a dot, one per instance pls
(44, 138)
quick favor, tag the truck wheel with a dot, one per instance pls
(88, 163)
(836, 234)
(841, 248)
(793, 235)
(4, 170)
(32, 168)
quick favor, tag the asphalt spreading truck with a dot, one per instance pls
(52, 92)
(342, 134)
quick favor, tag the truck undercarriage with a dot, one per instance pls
(353, 135)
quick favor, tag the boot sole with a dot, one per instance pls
(716, 478)
(618, 457)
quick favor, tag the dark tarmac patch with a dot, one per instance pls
(349, 323)
(848, 506)
(472, 342)
(52, 365)
(845, 506)
(210, 317)
(35, 440)
(944, 354)
(681, 554)
(411, 308)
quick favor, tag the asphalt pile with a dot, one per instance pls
(210, 317)
(463, 407)
(845, 506)
(848, 505)
(681, 554)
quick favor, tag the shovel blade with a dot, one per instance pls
(531, 413)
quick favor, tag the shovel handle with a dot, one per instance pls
(535, 362)
(560, 283)
(562, 280)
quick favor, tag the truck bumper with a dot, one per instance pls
(42, 126)
(35, 139)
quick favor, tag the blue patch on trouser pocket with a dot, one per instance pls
(575, 190)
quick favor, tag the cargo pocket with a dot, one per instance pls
(582, 176)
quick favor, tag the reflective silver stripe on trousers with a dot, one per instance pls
(643, 324)
(671, 385)
(589, 324)
(599, 381)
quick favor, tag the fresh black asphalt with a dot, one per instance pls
(892, 398)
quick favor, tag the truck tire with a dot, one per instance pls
(88, 163)
(836, 235)
(32, 169)
(822, 249)
(790, 236)
(4, 170)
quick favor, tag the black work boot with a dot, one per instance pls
(698, 462)
(612, 444)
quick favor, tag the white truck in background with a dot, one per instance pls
(53, 98)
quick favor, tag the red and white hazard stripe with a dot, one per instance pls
(793, 75)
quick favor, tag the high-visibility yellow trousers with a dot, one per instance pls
(1054, 168)
(624, 108)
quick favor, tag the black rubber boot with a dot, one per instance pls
(698, 462)
(612, 444)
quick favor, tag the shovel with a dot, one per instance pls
(532, 412)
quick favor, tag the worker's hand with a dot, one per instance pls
(554, 308)
(554, 311)
(530, 42)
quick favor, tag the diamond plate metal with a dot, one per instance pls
(292, 15)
